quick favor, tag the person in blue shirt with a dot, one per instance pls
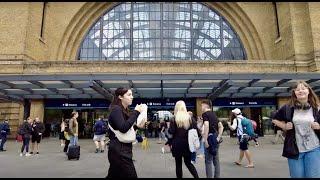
(4, 131)
(99, 129)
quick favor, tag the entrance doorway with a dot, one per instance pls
(86, 120)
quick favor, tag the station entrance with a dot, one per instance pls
(93, 89)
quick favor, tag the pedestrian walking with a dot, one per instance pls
(120, 119)
(180, 147)
(211, 125)
(243, 138)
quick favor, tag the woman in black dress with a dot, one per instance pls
(119, 153)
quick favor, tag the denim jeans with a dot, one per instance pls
(201, 150)
(73, 140)
(209, 161)
(3, 140)
(307, 166)
(25, 144)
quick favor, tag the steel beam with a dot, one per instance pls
(223, 86)
(99, 89)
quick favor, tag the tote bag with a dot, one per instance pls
(128, 137)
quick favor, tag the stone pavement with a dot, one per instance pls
(52, 162)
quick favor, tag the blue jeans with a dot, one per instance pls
(209, 161)
(307, 166)
(25, 144)
(3, 140)
(73, 140)
(201, 147)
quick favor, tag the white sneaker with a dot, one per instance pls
(28, 154)
(61, 145)
(162, 150)
(21, 154)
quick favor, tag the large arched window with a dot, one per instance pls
(161, 31)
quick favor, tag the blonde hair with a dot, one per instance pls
(181, 115)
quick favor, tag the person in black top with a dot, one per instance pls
(25, 130)
(119, 153)
(180, 147)
(37, 130)
(211, 125)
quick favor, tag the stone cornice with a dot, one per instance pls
(25, 67)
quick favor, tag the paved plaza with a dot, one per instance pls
(52, 162)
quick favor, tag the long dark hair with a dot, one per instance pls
(313, 99)
(117, 102)
(232, 116)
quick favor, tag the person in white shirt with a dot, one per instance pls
(243, 144)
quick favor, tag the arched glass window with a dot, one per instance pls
(161, 31)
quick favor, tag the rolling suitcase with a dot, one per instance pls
(74, 152)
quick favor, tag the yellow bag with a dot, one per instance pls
(145, 143)
(66, 135)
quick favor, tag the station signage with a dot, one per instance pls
(163, 103)
(76, 104)
(244, 102)
(101, 103)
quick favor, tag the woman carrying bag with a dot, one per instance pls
(179, 129)
(122, 134)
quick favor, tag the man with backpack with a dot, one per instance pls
(4, 131)
(99, 130)
(245, 133)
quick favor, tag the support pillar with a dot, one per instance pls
(37, 109)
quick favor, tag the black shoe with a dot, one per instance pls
(3, 150)
(97, 150)
(37, 152)
(102, 151)
(31, 153)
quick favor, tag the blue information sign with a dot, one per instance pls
(76, 104)
(167, 103)
(101, 103)
(244, 102)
